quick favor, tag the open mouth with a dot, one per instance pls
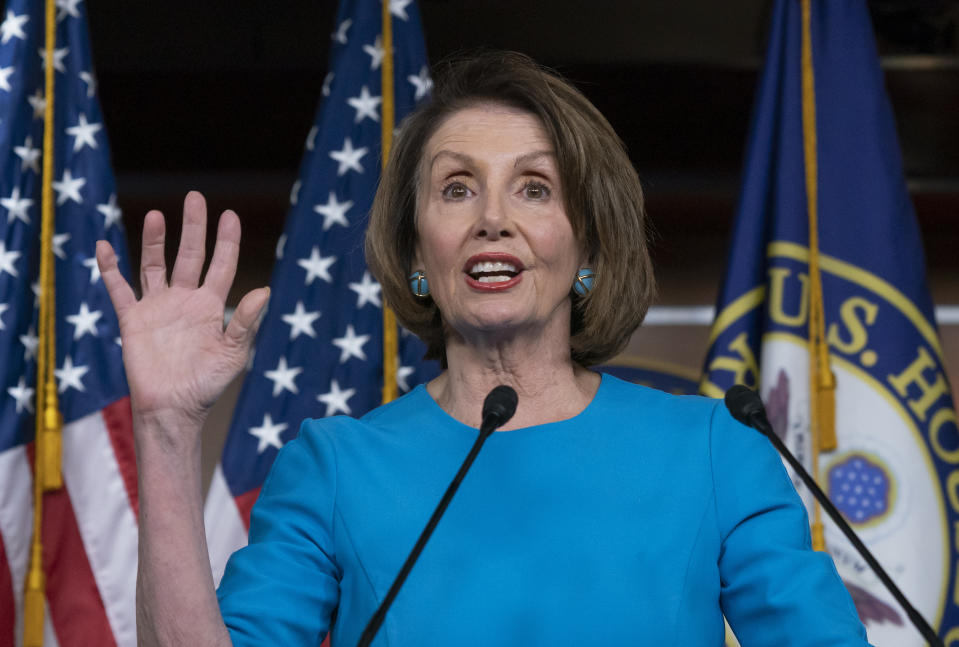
(492, 272)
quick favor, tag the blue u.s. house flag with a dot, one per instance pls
(320, 348)
(895, 468)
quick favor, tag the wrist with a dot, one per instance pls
(170, 430)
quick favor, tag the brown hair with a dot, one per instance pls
(603, 196)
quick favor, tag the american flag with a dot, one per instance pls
(90, 526)
(320, 348)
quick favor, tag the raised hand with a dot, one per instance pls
(177, 355)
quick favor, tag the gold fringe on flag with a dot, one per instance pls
(390, 342)
(48, 444)
(822, 382)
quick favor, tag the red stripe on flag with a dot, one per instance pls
(119, 421)
(244, 503)
(7, 605)
(76, 610)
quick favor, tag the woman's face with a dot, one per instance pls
(493, 235)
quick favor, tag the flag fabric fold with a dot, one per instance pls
(89, 527)
(319, 351)
(894, 470)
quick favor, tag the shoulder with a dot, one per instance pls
(632, 399)
(397, 419)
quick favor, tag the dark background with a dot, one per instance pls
(220, 95)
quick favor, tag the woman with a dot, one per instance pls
(603, 513)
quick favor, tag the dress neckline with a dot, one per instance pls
(434, 407)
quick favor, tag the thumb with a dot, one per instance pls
(246, 318)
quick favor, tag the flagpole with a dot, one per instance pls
(48, 449)
(390, 342)
(822, 382)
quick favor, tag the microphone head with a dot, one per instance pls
(744, 404)
(499, 406)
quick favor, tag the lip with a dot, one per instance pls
(493, 257)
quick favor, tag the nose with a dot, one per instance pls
(494, 221)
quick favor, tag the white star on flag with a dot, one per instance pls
(58, 56)
(365, 105)
(12, 27)
(367, 290)
(110, 211)
(85, 322)
(69, 188)
(84, 133)
(327, 81)
(29, 155)
(301, 321)
(69, 376)
(22, 394)
(7, 259)
(317, 266)
(67, 8)
(334, 212)
(16, 206)
(3, 308)
(29, 341)
(5, 73)
(351, 344)
(376, 53)
(91, 82)
(336, 399)
(38, 103)
(422, 83)
(349, 158)
(340, 34)
(269, 434)
(58, 241)
(311, 139)
(91, 263)
(283, 377)
(398, 8)
(295, 192)
(402, 373)
(280, 244)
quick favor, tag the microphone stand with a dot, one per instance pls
(491, 420)
(753, 414)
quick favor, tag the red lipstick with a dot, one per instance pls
(473, 278)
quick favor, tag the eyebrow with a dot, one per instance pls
(463, 158)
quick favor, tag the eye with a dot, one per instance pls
(456, 190)
(536, 190)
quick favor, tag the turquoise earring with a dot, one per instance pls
(583, 284)
(419, 286)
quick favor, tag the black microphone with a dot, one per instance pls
(498, 407)
(746, 406)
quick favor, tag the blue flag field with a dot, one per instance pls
(320, 348)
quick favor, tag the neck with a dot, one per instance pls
(550, 386)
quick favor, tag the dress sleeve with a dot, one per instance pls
(283, 587)
(775, 590)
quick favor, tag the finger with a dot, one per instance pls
(152, 261)
(192, 251)
(121, 294)
(225, 254)
(246, 318)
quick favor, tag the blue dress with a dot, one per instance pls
(640, 521)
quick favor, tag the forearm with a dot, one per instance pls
(176, 601)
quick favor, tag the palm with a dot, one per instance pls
(176, 352)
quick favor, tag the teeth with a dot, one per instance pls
(493, 279)
(492, 267)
